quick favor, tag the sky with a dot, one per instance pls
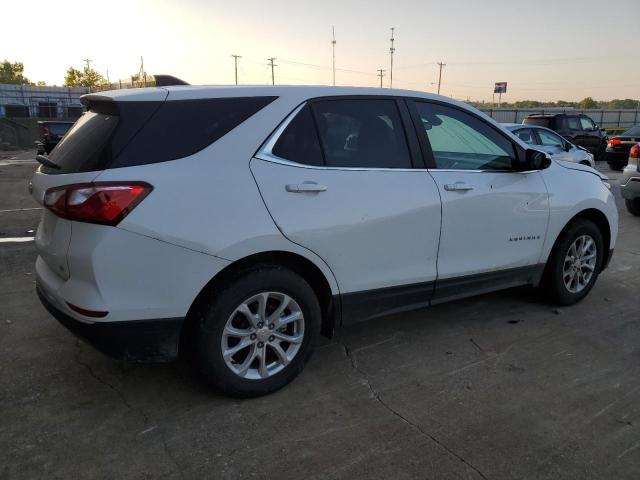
(544, 49)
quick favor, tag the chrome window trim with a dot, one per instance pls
(266, 154)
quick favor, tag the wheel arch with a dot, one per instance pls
(329, 302)
(598, 218)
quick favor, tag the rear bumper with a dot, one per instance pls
(619, 159)
(630, 189)
(143, 340)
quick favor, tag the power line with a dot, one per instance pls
(391, 51)
(235, 62)
(440, 64)
(273, 78)
(381, 74)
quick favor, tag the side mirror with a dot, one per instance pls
(536, 160)
(567, 147)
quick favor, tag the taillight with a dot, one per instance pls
(45, 130)
(614, 141)
(105, 203)
(635, 151)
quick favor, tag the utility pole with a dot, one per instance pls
(333, 46)
(108, 81)
(440, 64)
(381, 74)
(235, 61)
(87, 61)
(273, 78)
(391, 51)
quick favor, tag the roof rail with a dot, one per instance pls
(168, 81)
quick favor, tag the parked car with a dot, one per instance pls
(630, 183)
(618, 148)
(550, 142)
(238, 224)
(578, 129)
(50, 134)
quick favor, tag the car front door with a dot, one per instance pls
(590, 133)
(553, 144)
(338, 179)
(494, 217)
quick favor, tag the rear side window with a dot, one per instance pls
(181, 128)
(573, 123)
(58, 128)
(526, 135)
(123, 134)
(361, 133)
(540, 121)
(299, 141)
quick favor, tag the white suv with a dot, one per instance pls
(237, 224)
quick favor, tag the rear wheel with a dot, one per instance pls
(633, 206)
(575, 263)
(258, 331)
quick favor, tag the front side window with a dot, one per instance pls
(526, 135)
(461, 141)
(361, 133)
(549, 139)
(587, 124)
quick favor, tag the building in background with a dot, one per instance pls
(26, 101)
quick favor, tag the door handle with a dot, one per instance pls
(457, 187)
(305, 187)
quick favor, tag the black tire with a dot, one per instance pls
(214, 313)
(553, 281)
(633, 206)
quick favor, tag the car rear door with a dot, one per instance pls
(590, 133)
(494, 218)
(338, 178)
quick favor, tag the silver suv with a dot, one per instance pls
(630, 183)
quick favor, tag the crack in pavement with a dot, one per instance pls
(376, 395)
(123, 399)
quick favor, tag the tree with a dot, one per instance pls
(88, 77)
(13, 73)
(40, 83)
(587, 103)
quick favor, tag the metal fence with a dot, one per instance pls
(26, 101)
(604, 118)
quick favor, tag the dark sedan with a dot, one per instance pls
(51, 132)
(617, 152)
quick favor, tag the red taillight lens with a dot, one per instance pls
(614, 141)
(106, 203)
(635, 151)
(45, 130)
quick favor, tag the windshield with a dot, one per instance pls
(632, 132)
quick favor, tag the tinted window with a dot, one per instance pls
(587, 123)
(540, 121)
(181, 128)
(122, 134)
(526, 135)
(299, 141)
(632, 132)
(362, 133)
(574, 124)
(549, 139)
(58, 128)
(461, 141)
(86, 146)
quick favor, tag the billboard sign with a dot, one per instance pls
(501, 87)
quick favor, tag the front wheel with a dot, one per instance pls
(575, 263)
(633, 206)
(256, 333)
